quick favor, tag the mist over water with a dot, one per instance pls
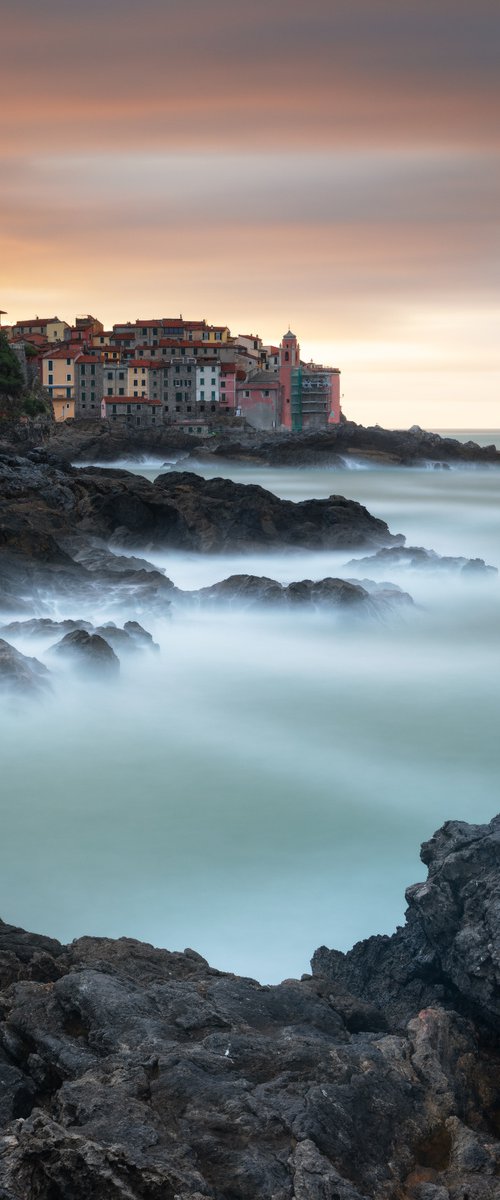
(263, 784)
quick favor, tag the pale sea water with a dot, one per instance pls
(262, 786)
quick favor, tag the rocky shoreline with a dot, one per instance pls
(103, 442)
(133, 1072)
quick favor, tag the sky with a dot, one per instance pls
(332, 166)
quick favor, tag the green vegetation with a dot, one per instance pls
(17, 399)
(11, 376)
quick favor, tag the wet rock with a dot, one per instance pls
(99, 442)
(140, 636)
(130, 1071)
(90, 652)
(248, 591)
(39, 627)
(21, 675)
(448, 952)
(416, 557)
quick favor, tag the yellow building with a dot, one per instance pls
(58, 377)
(138, 377)
(49, 327)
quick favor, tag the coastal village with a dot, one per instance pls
(176, 372)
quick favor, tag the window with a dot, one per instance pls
(82, 369)
(212, 407)
(92, 397)
(68, 393)
(177, 408)
(110, 391)
(68, 362)
(178, 395)
(189, 408)
(92, 369)
(121, 391)
(177, 369)
(84, 397)
(121, 374)
(50, 365)
(51, 378)
(202, 395)
(212, 396)
(287, 356)
(135, 370)
(110, 374)
(113, 408)
(68, 378)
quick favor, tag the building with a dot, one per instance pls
(259, 399)
(58, 377)
(51, 328)
(88, 388)
(315, 397)
(136, 411)
(289, 362)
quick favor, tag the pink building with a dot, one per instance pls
(259, 400)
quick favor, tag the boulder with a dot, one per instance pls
(21, 675)
(89, 652)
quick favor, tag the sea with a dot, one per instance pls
(261, 786)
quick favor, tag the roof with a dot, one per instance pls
(289, 335)
(40, 321)
(64, 352)
(90, 358)
(262, 379)
(139, 362)
(131, 400)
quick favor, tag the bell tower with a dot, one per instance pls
(289, 362)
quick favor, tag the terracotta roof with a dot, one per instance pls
(64, 352)
(90, 358)
(39, 321)
(139, 362)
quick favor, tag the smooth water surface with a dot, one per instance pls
(262, 785)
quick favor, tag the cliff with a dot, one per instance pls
(132, 1072)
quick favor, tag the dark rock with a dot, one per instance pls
(131, 1072)
(21, 675)
(140, 636)
(39, 627)
(449, 950)
(248, 591)
(89, 651)
(416, 557)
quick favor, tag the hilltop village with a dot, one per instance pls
(170, 371)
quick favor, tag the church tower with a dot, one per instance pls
(289, 362)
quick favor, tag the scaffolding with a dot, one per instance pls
(297, 400)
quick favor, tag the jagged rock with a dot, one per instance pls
(38, 627)
(248, 591)
(90, 652)
(83, 442)
(140, 636)
(417, 556)
(134, 1073)
(21, 675)
(449, 950)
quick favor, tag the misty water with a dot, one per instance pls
(262, 785)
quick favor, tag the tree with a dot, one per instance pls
(11, 376)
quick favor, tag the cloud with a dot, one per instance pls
(171, 74)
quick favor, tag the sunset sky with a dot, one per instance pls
(330, 165)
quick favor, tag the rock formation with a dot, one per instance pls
(131, 1072)
(103, 442)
